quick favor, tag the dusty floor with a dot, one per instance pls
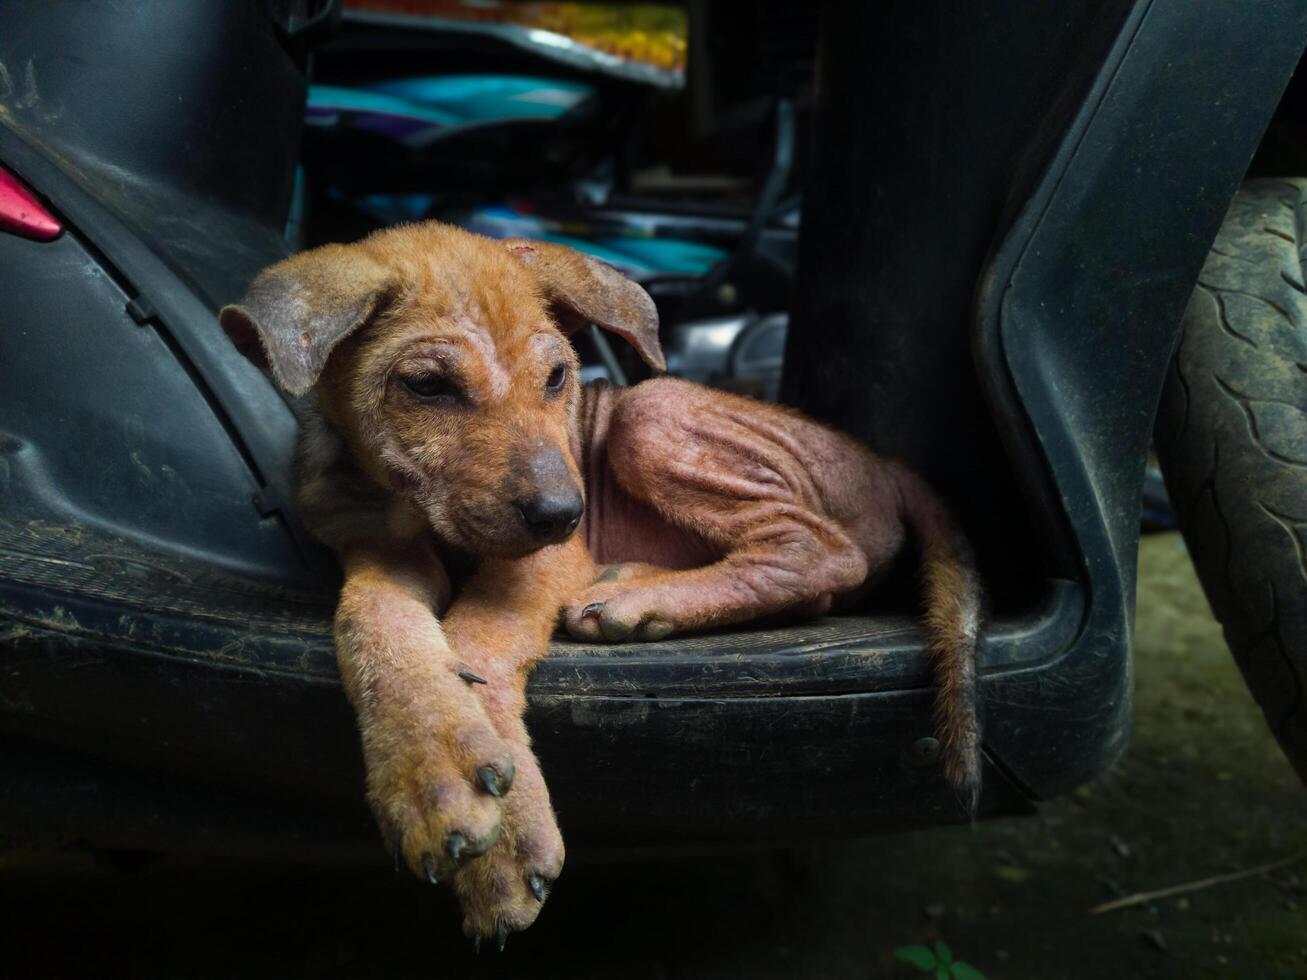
(1203, 791)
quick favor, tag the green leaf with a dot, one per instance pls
(965, 971)
(942, 973)
(1011, 873)
(919, 956)
(943, 954)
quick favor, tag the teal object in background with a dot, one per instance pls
(638, 256)
(666, 255)
(334, 100)
(477, 98)
(418, 111)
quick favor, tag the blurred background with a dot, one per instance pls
(592, 125)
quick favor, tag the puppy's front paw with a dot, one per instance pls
(505, 890)
(437, 774)
(616, 612)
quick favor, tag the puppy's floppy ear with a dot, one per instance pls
(296, 311)
(584, 290)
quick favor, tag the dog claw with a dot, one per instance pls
(455, 844)
(490, 780)
(501, 937)
(429, 866)
(472, 678)
(537, 887)
(458, 845)
(594, 609)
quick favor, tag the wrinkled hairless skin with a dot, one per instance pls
(479, 498)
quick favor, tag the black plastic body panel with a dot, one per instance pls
(142, 186)
(1128, 129)
(910, 177)
(1084, 213)
(182, 119)
(180, 667)
(104, 431)
(1079, 312)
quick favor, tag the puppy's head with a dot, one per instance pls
(442, 358)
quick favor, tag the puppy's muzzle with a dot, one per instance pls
(553, 515)
(549, 501)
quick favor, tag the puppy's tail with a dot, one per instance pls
(953, 607)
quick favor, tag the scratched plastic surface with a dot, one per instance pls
(92, 584)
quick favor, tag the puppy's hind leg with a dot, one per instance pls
(786, 563)
(727, 470)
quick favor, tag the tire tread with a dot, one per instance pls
(1232, 440)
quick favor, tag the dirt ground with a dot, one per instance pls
(1203, 791)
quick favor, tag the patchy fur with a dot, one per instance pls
(445, 456)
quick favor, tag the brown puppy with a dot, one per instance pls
(452, 441)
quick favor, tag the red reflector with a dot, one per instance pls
(22, 214)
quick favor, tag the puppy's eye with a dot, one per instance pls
(557, 378)
(434, 389)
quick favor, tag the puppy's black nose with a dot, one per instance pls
(552, 516)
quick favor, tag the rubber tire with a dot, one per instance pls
(1232, 442)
